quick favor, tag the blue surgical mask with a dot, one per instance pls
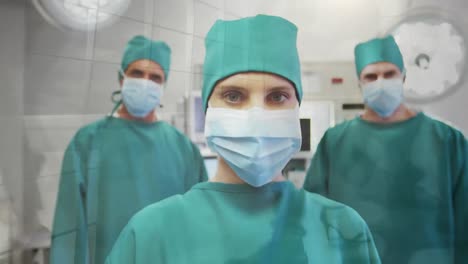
(384, 95)
(141, 96)
(256, 143)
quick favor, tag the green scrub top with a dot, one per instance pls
(408, 180)
(237, 223)
(111, 169)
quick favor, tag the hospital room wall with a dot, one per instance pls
(12, 32)
(451, 109)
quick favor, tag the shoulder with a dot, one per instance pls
(84, 134)
(174, 133)
(161, 215)
(152, 220)
(340, 129)
(443, 129)
(181, 139)
(147, 231)
(343, 126)
(335, 214)
(166, 127)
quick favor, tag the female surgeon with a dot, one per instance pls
(248, 212)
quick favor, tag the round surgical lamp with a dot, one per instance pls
(434, 53)
(81, 15)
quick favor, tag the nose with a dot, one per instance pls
(256, 99)
(147, 76)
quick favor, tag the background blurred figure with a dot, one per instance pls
(248, 213)
(121, 163)
(404, 172)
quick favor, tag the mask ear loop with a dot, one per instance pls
(117, 102)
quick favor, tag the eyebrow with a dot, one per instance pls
(369, 75)
(274, 88)
(232, 87)
(152, 75)
(156, 75)
(393, 71)
(136, 71)
(280, 88)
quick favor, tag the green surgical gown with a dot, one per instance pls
(235, 223)
(408, 180)
(111, 169)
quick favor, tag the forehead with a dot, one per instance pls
(379, 68)
(255, 80)
(145, 64)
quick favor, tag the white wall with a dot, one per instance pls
(12, 30)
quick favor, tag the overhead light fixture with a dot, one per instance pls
(82, 15)
(434, 53)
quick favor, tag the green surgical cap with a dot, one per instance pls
(377, 50)
(253, 44)
(140, 47)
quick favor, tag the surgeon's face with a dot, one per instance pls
(246, 90)
(379, 70)
(145, 69)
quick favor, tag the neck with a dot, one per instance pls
(225, 174)
(402, 113)
(150, 118)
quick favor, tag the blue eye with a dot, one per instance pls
(277, 97)
(233, 97)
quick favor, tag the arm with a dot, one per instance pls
(373, 253)
(460, 202)
(355, 239)
(124, 250)
(69, 234)
(318, 173)
(197, 173)
(348, 235)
